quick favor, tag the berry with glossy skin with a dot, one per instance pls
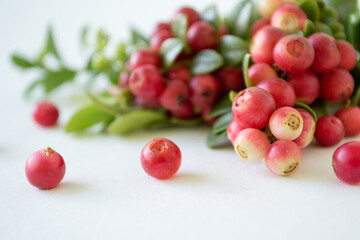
(175, 94)
(233, 130)
(282, 91)
(266, 8)
(263, 43)
(306, 86)
(184, 111)
(329, 131)
(45, 114)
(259, 72)
(336, 85)
(146, 82)
(251, 145)
(294, 54)
(327, 55)
(286, 123)
(45, 168)
(161, 158)
(283, 158)
(346, 162)
(202, 35)
(191, 14)
(230, 78)
(143, 57)
(253, 107)
(308, 131)
(350, 117)
(157, 39)
(258, 25)
(289, 17)
(179, 73)
(348, 56)
(204, 91)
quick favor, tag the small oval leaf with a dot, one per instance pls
(245, 68)
(233, 49)
(206, 61)
(170, 50)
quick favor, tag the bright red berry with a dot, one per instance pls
(202, 35)
(179, 73)
(184, 111)
(329, 131)
(45, 114)
(350, 117)
(230, 78)
(147, 102)
(306, 86)
(161, 158)
(176, 93)
(204, 90)
(191, 14)
(282, 91)
(144, 57)
(157, 39)
(162, 26)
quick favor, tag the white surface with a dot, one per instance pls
(105, 193)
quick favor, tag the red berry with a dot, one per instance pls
(308, 131)
(157, 39)
(205, 116)
(202, 35)
(191, 14)
(204, 91)
(294, 54)
(289, 17)
(286, 123)
(147, 102)
(144, 57)
(329, 131)
(348, 56)
(259, 72)
(45, 169)
(306, 86)
(337, 85)
(162, 26)
(253, 107)
(161, 158)
(346, 162)
(123, 80)
(266, 8)
(146, 82)
(282, 91)
(350, 117)
(258, 25)
(176, 93)
(45, 114)
(230, 78)
(184, 111)
(233, 130)
(223, 30)
(179, 73)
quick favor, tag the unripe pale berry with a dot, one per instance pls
(266, 8)
(329, 131)
(308, 131)
(286, 123)
(289, 18)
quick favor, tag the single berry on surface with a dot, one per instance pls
(45, 114)
(329, 131)
(286, 123)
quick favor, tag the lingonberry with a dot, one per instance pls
(329, 131)
(258, 25)
(350, 117)
(143, 57)
(294, 54)
(346, 162)
(230, 78)
(179, 73)
(45, 114)
(233, 130)
(123, 80)
(283, 158)
(266, 8)
(251, 145)
(327, 55)
(191, 14)
(146, 81)
(184, 111)
(45, 168)
(161, 158)
(306, 86)
(289, 17)
(202, 35)
(162, 26)
(204, 90)
(348, 56)
(259, 72)
(147, 102)
(336, 85)
(159, 37)
(175, 94)
(286, 123)
(308, 131)
(282, 91)
(263, 43)
(205, 116)
(253, 107)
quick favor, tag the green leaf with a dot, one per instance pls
(321, 27)
(170, 50)
(353, 30)
(109, 108)
(179, 28)
(87, 117)
(211, 15)
(245, 69)
(83, 36)
(53, 79)
(102, 39)
(306, 108)
(215, 138)
(138, 38)
(186, 122)
(134, 121)
(343, 7)
(336, 27)
(339, 36)
(233, 49)
(232, 95)
(309, 28)
(311, 9)
(50, 47)
(206, 61)
(222, 123)
(22, 62)
(223, 106)
(328, 15)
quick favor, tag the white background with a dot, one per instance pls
(105, 193)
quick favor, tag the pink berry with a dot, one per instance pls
(253, 107)
(176, 93)
(306, 86)
(180, 73)
(191, 14)
(308, 131)
(159, 37)
(346, 162)
(184, 111)
(283, 158)
(251, 145)
(259, 72)
(123, 80)
(233, 130)
(161, 158)
(289, 18)
(45, 114)
(350, 117)
(204, 90)
(336, 85)
(144, 57)
(327, 55)
(263, 43)
(286, 123)
(329, 131)
(266, 8)
(258, 25)
(202, 35)
(230, 78)
(45, 169)
(282, 91)
(348, 56)
(146, 82)
(147, 102)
